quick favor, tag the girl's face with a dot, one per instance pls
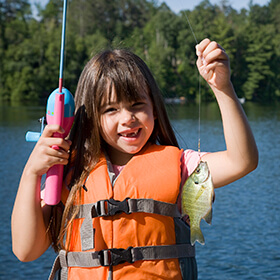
(126, 126)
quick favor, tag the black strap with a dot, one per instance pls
(110, 207)
(115, 256)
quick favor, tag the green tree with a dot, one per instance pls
(274, 82)
(14, 18)
(258, 54)
(159, 44)
(30, 46)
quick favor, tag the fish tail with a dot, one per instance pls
(196, 235)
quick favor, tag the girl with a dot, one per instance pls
(124, 172)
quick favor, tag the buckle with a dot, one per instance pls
(111, 207)
(115, 256)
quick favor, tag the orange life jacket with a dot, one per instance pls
(133, 228)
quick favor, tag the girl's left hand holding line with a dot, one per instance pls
(213, 64)
(241, 154)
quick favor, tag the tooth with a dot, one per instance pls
(132, 134)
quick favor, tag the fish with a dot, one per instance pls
(196, 200)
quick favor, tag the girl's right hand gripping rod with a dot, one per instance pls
(60, 110)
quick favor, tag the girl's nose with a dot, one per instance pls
(127, 116)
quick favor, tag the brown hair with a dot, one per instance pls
(129, 76)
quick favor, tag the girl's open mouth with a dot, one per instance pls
(130, 134)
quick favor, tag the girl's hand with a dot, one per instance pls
(44, 156)
(213, 64)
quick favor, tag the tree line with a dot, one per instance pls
(30, 44)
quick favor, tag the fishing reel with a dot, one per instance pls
(68, 116)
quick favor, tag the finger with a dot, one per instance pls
(210, 47)
(51, 129)
(199, 62)
(49, 157)
(57, 160)
(54, 143)
(213, 66)
(214, 52)
(200, 49)
(57, 157)
(59, 143)
(61, 154)
(201, 46)
(216, 55)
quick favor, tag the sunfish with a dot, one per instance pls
(197, 198)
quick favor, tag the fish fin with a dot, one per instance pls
(200, 192)
(196, 235)
(208, 217)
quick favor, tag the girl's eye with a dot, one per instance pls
(138, 104)
(109, 110)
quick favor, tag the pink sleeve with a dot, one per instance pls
(189, 162)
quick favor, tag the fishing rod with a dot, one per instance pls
(199, 82)
(60, 111)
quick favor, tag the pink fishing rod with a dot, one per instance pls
(60, 111)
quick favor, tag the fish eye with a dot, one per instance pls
(197, 170)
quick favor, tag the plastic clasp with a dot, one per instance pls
(115, 256)
(111, 207)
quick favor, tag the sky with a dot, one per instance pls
(178, 5)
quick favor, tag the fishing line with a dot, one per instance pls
(199, 79)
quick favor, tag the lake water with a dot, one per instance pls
(244, 239)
